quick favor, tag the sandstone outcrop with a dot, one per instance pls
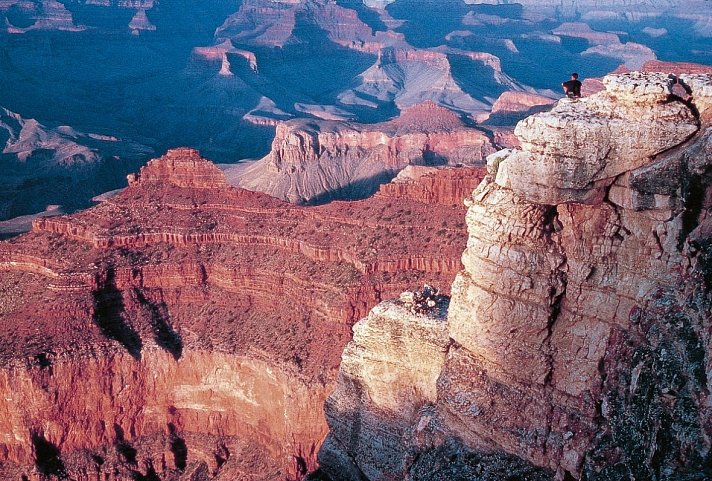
(513, 101)
(513, 106)
(576, 150)
(222, 52)
(185, 329)
(313, 161)
(180, 168)
(579, 331)
(388, 373)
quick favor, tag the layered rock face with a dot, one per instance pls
(388, 373)
(513, 106)
(447, 186)
(185, 329)
(618, 131)
(579, 327)
(402, 74)
(312, 161)
(180, 168)
(512, 101)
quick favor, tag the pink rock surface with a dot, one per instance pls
(184, 326)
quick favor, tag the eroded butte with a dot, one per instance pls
(185, 328)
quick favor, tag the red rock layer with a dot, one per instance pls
(189, 329)
(181, 168)
(447, 186)
(425, 128)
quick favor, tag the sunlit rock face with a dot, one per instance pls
(315, 161)
(579, 331)
(571, 312)
(184, 329)
(388, 373)
(578, 148)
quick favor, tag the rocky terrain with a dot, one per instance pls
(56, 165)
(446, 186)
(512, 107)
(576, 344)
(316, 161)
(221, 75)
(186, 329)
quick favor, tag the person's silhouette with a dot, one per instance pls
(572, 88)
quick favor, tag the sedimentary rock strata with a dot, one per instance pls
(578, 148)
(513, 106)
(185, 329)
(447, 186)
(579, 327)
(313, 161)
(388, 372)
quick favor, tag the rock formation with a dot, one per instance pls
(188, 330)
(576, 343)
(401, 75)
(221, 53)
(610, 136)
(405, 76)
(388, 373)
(446, 186)
(513, 106)
(313, 161)
(21, 16)
(58, 165)
(180, 168)
(191, 77)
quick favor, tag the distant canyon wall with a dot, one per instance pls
(315, 161)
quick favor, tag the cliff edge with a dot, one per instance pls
(576, 344)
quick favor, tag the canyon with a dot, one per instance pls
(317, 161)
(187, 329)
(57, 165)
(576, 343)
(319, 303)
(223, 76)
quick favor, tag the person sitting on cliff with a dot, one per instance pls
(572, 88)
